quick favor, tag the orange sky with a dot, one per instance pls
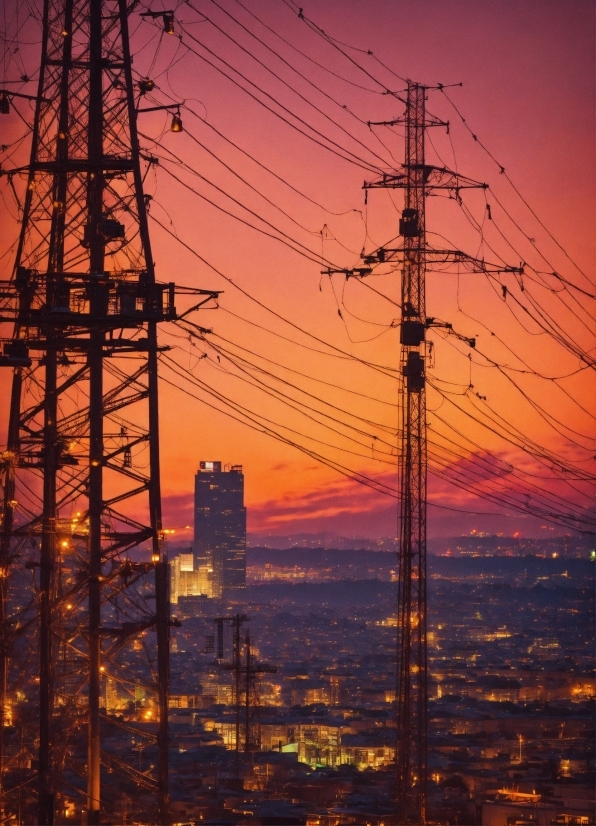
(528, 93)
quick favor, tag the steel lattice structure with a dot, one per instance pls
(412, 668)
(246, 671)
(412, 692)
(83, 568)
(417, 178)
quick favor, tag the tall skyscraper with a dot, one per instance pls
(220, 525)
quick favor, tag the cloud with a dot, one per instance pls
(345, 507)
(178, 513)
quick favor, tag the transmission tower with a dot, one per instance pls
(412, 692)
(417, 179)
(236, 623)
(246, 671)
(83, 565)
(251, 670)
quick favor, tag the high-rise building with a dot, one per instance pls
(220, 525)
(188, 579)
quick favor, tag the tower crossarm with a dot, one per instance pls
(435, 177)
(433, 257)
(81, 302)
(354, 272)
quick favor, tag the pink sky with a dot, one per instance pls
(528, 93)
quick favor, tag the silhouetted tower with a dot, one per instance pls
(411, 617)
(251, 671)
(412, 692)
(246, 671)
(413, 254)
(82, 464)
(417, 179)
(236, 623)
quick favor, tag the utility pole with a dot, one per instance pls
(245, 673)
(82, 463)
(417, 179)
(236, 622)
(252, 721)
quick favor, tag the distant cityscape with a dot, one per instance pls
(512, 692)
(476, 543)
(512, 681)
(215, 565)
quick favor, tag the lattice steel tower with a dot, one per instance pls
(412, 691)
(417, 179)
(83, 576)
(246, 672)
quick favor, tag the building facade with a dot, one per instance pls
(220, 526)
(188, 579)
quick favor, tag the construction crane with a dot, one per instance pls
(81, 520)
